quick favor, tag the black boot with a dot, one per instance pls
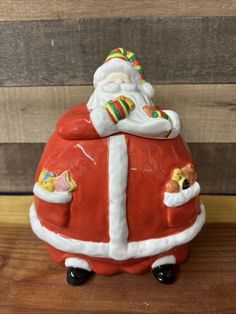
(165, 273)
(77, 276)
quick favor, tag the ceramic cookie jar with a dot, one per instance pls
(116, 189)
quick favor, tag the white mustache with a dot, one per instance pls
(113, 87)
(129, 87)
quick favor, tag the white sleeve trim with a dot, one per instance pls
(102, 122)
(176, 124)
(182, 197)
(52, 197)
(154, 128)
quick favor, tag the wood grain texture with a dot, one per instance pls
(67, 52)
(207, 112)
(220, 208)
(18, 164)
(73, 9)
(32, 283)
(216, 164)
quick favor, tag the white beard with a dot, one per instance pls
(109, 91)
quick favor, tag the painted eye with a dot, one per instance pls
(185, 184)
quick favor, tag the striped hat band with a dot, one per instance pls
(129, 56)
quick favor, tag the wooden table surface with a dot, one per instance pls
(31, 283)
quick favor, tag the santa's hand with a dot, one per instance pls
(155, 112)
(119, 108)
(175, 122)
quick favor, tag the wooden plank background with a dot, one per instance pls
(67, 52)
(23, 10)
(187, 49)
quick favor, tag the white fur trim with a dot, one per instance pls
(115, 65)
(118, 172)
(52, 197)
(155, 128)
(77, 262)
(102, 122)
(147, 89)
(182, 197)
(176, 124)
(137, 249)
(66, 244)
(169, 259)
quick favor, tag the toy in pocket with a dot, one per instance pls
(50, 183)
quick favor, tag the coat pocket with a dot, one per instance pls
(54, 214)
(184, 214)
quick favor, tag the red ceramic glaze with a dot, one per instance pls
(86, 216)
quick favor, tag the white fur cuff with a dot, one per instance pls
(52, 197)
(182, 197)
(77, 262)
(169, 259)
(176, 124)
(102, 122)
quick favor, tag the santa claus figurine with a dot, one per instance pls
(116, 189)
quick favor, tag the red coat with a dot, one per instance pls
(117, 212)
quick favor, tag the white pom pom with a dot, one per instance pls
(147, 89)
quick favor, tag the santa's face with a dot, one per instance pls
(120, 84)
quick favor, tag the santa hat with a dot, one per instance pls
(122, 60)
